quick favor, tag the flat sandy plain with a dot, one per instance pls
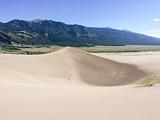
(71, 84)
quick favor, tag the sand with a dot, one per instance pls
(68, 66)
(147, 61)
(71, 84)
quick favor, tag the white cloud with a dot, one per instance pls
(153, 33)
(156, 20)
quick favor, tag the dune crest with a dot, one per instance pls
(69, 65)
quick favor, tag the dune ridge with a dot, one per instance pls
(68, 66)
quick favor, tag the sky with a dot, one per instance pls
(141, 16)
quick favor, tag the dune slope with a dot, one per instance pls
(68, 65)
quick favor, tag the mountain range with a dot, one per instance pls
(49, 32)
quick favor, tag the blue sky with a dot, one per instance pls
(142, 16)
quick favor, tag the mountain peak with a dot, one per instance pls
(37, 20)
(42, 32)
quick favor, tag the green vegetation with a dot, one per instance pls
(151, 81)
(38, 49)
(127, 48)
(27, 49)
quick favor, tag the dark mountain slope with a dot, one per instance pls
(44, 32)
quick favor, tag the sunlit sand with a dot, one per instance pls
(71, 84)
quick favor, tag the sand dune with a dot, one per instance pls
(146, 61)
(57, 86)
(68, 65)
(79, 103)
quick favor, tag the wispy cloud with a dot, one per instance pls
(153, 33)
(156, 19)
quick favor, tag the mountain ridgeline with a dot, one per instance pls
(48, 32)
